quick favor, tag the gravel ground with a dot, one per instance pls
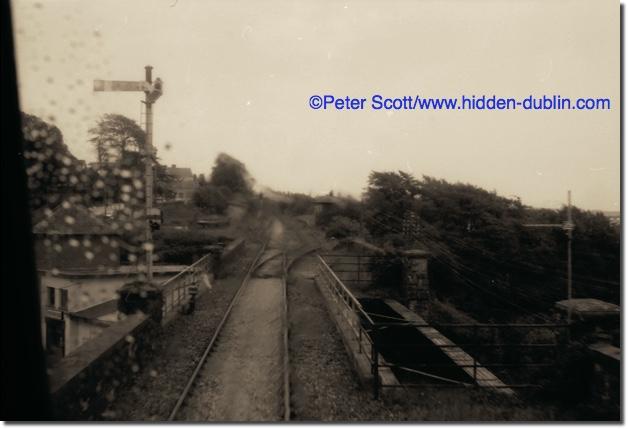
(178, 348)
(323, 384)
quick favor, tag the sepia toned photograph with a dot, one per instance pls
(335, 211)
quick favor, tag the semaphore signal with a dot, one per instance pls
(152, 91)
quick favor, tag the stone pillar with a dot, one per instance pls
(141, 296)
(415, 281)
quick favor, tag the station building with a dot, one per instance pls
(81, 263)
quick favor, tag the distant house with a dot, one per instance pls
(184, 183)
(325, 203)
(614, 217)
(79, 262)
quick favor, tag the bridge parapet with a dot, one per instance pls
(194, 280)
(85, 382)
(177, 290)
(351, 321)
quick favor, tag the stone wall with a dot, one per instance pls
(84, 383)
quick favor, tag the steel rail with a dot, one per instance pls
(286, 347)
(190, 383)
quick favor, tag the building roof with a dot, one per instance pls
(72, 219)
(180, 172)
(588, 307)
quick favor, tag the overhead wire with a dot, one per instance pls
(470, 282)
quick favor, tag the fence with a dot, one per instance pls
(416, 350)
(352, 268)
(354, 316)
(176, 290)
(477, 362)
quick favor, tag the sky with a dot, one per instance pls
(238, 75)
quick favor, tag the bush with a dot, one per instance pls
(211, 198)
(297, 204)
(346, 207)
(342, 227)
(184, 247)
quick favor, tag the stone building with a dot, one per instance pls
(80, 266)
(184, 183)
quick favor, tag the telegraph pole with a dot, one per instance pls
(149, 175)
(153, 91)
(568, 227)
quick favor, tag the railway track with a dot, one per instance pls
(269, 265)
(286, 349)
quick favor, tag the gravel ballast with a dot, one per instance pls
(177, 350)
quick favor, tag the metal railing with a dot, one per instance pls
(352, 268)
(176, 290)
(366, 330)
(354, 316)
(471, 358)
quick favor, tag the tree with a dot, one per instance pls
(341, 227)
(120, 145)
(390, 193)
(54, 174)
(230, 173)
(116, 137)
(211, 198)
(483, 258)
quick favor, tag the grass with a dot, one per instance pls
(463, 405)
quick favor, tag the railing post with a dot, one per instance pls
(375, 370)
(476, 349)
(475, 371)
(360, 339)
(359, 269)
